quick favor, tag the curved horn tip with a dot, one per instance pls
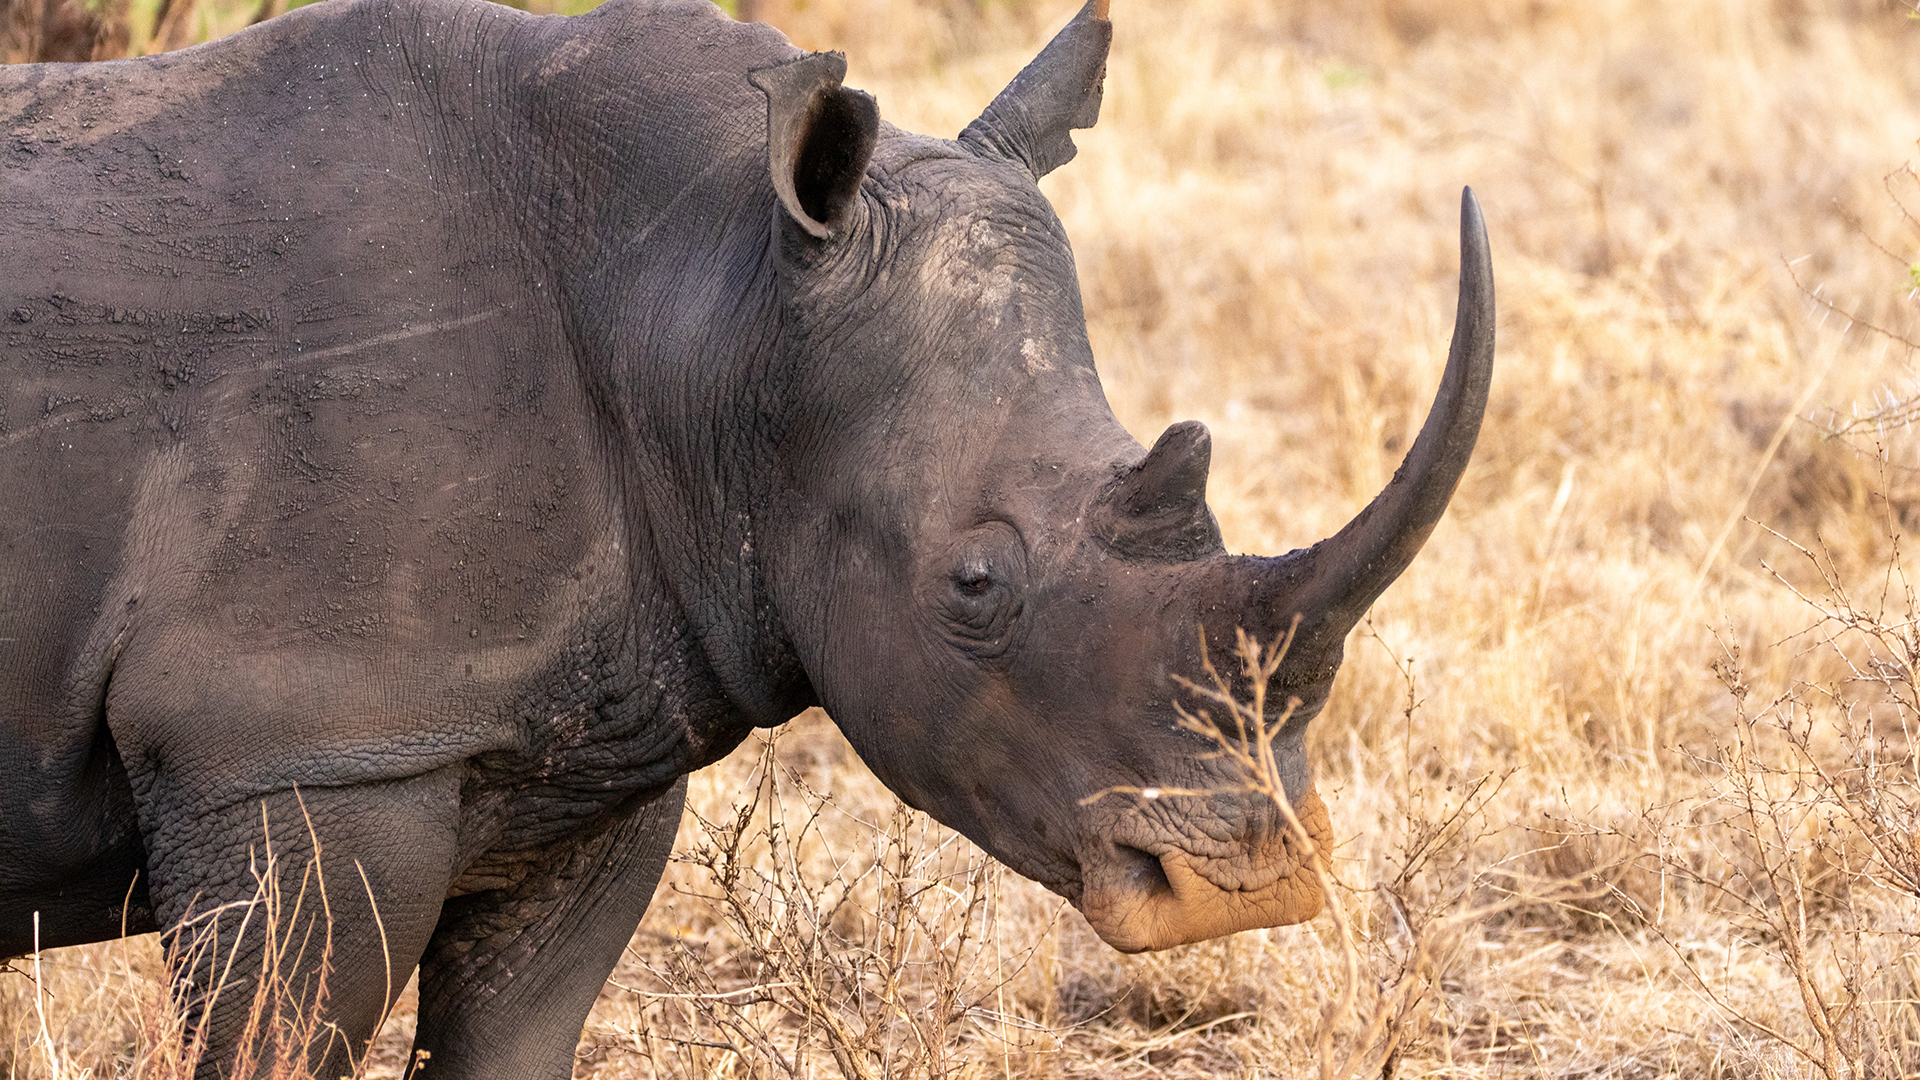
(1470, 206)
(1349, 570)
(1100, 8)
(1476, 257)
(1473, 327)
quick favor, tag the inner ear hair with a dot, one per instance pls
(833, 157)
(820, 136)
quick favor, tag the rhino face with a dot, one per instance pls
(1064, 721)
(994, 590)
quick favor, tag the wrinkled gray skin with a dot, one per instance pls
(433, 431)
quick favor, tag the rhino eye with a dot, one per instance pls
(979, 601)
(973, 579)
(976, 594)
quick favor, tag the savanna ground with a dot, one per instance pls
(1623, 771)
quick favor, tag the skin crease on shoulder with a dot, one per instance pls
(432, 431)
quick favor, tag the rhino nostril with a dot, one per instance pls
(1143, 870)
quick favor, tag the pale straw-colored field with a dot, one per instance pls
(1622, 777)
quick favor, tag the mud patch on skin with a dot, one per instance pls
(94, 108)
(968, 260)
(1038, 355)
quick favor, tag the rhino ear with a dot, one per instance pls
(1057, 93)
(820, 136)
(1158, 508)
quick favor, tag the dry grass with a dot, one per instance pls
(1623, 778)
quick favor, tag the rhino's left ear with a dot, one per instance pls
(1057, 93)
(820, 136)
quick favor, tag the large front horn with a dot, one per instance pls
(1331, 585)
(1029, 122)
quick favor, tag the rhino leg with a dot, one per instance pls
(386, 851)
(511, 974)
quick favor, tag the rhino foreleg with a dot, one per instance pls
(279, 954)
(511, 973)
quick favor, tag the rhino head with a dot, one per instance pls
(990, 586)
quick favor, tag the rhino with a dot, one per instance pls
(429, 432)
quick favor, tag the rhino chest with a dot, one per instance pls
(609, 733)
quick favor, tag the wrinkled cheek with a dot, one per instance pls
(1303, 895)
(1312, 814)
(1279, 890)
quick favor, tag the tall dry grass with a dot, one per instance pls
(1622, 769)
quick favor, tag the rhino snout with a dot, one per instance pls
(1145, 888)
